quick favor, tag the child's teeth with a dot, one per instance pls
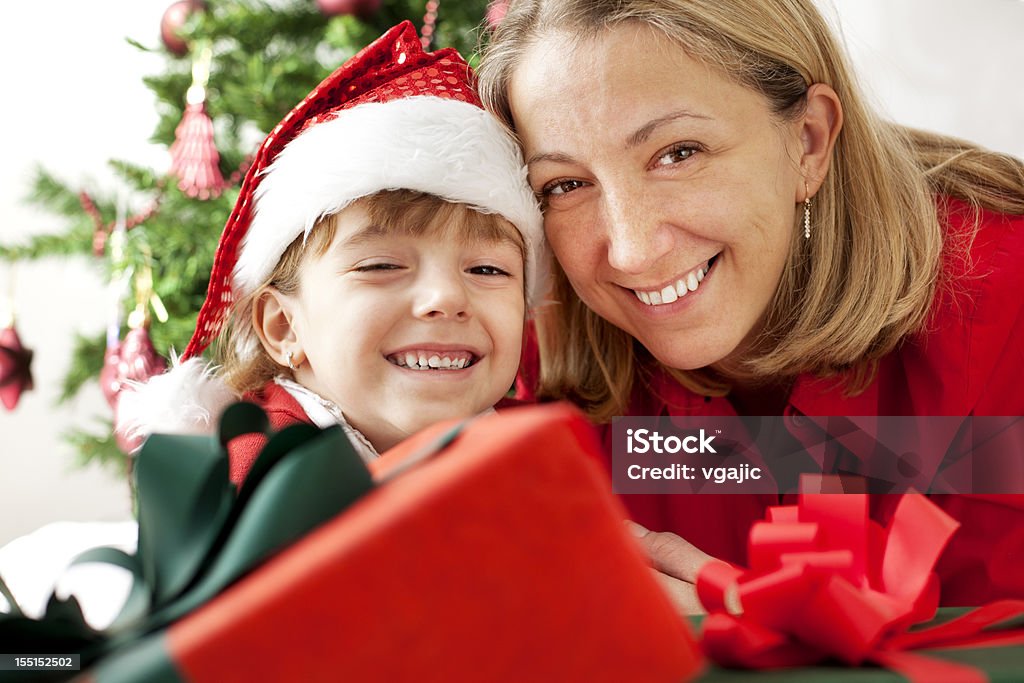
(416, 361)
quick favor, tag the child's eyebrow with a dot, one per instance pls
(373, 232)
(368, 233)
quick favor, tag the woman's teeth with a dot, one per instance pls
(687, 283)
(431, 360)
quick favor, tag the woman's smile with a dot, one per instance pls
(685, 284)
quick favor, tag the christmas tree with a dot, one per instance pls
(234, 68)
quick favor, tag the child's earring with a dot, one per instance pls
(288, 356)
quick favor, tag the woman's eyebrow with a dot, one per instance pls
(557, 157)
(640, 135)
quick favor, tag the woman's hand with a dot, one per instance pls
(676, 564)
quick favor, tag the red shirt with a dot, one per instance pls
(282, 410)
(970, 361)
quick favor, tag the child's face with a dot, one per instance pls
(376, 308)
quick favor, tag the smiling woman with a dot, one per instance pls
(738, 233)
(667, 213)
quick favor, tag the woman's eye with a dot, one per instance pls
(675, 154)
(559, 187)
(488, 270)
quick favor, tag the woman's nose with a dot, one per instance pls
(637, 237)
(441, 296)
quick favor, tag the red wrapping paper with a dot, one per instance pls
(502, 558)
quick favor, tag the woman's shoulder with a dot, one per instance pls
(974, 339)
(982, 278)
(979, 242)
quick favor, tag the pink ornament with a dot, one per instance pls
(133, 360)
(496, 12)
(110, 380)
(194, 156)
(171, 22)
(360, 8)
(15, 368)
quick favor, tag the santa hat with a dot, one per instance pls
(392, 117)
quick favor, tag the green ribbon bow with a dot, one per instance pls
(196, 535)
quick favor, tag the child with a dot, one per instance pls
(372, 273)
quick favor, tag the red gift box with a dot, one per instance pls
(501, 558)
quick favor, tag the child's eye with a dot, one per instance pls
(370, 267)
(488, 270)
(676, 154)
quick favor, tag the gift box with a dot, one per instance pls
(833, 595)
(493, 551)
(997, 664)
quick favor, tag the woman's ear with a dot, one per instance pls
(273, 321)
(819, 128)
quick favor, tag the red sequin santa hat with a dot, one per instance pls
(392, 117)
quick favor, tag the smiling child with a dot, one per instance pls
(376, 270)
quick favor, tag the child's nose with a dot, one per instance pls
(442, 297)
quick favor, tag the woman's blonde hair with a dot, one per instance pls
(875, 217)
(244, 364)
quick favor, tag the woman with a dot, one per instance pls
(738, 233)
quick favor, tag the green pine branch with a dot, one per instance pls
(99, 448)
(86, 357)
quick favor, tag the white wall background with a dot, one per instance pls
(73, 98)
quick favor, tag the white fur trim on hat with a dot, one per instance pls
(187, 399)
(444, 147)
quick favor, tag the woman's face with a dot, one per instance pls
(670, 191)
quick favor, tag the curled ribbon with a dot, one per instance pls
(827, 582)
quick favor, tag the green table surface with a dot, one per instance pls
(1000, 664)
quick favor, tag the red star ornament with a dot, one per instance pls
(15, 368)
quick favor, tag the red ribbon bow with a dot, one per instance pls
(826, 581)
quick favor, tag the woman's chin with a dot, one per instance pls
(687, 354)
